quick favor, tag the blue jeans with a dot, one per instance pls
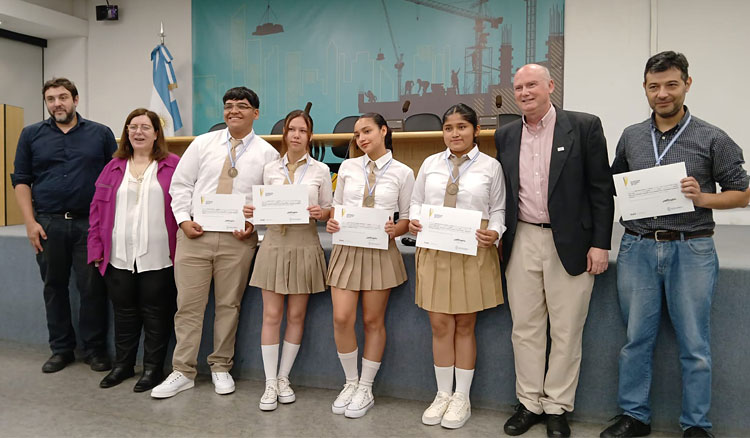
(684, 271)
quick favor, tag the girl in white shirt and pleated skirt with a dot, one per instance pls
(374, 180)
(453, 287)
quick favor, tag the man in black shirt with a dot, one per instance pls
(57, 162)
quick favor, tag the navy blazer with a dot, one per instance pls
(580, 203)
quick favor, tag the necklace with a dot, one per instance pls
(138, 177)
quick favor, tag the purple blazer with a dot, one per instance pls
(102, 212)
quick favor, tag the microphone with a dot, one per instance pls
(308, 105)
(498, 105)
(405, 108)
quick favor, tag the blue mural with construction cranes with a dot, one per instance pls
(347, 57)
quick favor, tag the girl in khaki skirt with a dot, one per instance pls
(378, 181)
(453, 287)
(290, 260)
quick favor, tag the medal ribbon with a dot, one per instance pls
(371, 189)
(233, 159)
(460, 172)
(669, 145)
(297, 181)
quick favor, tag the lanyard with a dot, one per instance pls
(233, 161)
(460, 171)
(286, 172)
(377, 178)
(676, 136)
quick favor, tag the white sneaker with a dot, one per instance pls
(173, 384)
(361, 403)
(344, 398)
(286, 393)
(223, 382)
(458, 412)
(268, 401)
(434, 414)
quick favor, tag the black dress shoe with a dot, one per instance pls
(99, 361)
(626, 426)
(557, 426)
(116, 376)
(149, 379)
(521, 421)
(58, 361)
(696, 431)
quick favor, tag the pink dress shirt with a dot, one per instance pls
(533, 168)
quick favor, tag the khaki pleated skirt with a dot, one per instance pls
(456, 283)
(354, 268)
(290, 262)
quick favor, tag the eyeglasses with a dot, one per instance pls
(144, 128)
(238, 106)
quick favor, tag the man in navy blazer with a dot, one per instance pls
(559, 215)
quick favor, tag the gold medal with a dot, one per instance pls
(452, 188)
(232, 172)
(369, 201)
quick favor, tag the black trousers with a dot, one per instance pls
(65, 247)
(142, 299)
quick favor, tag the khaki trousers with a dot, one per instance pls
(539, 288)
(227, 260)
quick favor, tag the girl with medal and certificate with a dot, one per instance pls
(374, 180)
(453, 287)
(290, 260)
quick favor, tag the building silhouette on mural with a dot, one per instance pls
(482, 82)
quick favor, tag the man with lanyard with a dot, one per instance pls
(559, 213)
(57, 162)
(672, 256)
(222, 162)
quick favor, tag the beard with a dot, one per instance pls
(67, 118)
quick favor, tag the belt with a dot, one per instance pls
(67, 215)
(538, 225)
(667, 235)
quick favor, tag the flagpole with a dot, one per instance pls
(161, 32)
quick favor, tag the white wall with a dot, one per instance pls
(119, 64)
(21, 66)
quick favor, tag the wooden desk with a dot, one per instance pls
(410, 148)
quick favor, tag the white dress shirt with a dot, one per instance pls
(139, 234)
(317, 178)
(392, 190)
(481, 187)
(198, 171)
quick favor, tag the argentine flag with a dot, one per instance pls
(162, 100)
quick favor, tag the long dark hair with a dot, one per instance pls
(466, 113)
(380, 122)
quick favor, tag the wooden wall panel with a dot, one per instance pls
(12, 124)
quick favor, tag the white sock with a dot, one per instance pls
(288, 354)
(369, 370)
(349, 364)
(270, 355)
(444, 377)
(463, 381)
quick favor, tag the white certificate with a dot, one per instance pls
(360, 226)
(449, 229)
(216, 212)
(652, 192)
(280, 204)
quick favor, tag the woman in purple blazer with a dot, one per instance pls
(132, 239)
